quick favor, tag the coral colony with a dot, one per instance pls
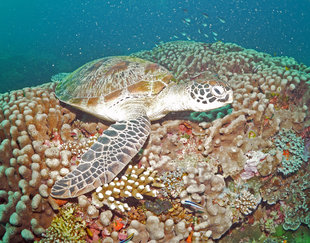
(237, 174)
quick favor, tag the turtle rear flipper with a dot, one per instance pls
(105, 159)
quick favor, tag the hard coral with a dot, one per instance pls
(67, 226)
(293, 151)
(293, 193)
(28, 118)
(246, 202)
(136, 182)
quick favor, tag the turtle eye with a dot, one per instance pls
(218, 90)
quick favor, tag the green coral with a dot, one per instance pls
(287, 140)
(67, 226)
(296, 210)
(211, 115)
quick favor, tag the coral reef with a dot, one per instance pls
(226, 162)
(293, 194)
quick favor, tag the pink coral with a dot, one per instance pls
(250, 167)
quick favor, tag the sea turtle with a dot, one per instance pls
(132, 92)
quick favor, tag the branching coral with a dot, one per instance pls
(67, 226)
(246, 202)
(136, 182)
(173, 182)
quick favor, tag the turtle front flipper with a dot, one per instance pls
(105, 158)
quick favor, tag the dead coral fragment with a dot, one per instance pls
(136, 182)
(67, 226)
(158, 206)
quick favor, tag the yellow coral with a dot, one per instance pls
(136, 182)
(67, 226)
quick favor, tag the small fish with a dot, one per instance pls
(188, 38)
(204, 25)
(175, 36)
(287, 68)
(129, 238)
(89, 233)
(205, 15)
(199, 31)
(183, 33)
(206, 35)
(220, 170)
(186, 21)
(214, 38)
(194, 205)
(214, 33)
(221, 20)
(257, 68)
(183, 20)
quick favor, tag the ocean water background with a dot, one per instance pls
(40, 38)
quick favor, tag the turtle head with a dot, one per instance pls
(208, 94)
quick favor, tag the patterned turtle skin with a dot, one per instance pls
(132, 92)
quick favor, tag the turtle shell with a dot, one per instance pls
(106, 79)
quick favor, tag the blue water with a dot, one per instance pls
(40, 38)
